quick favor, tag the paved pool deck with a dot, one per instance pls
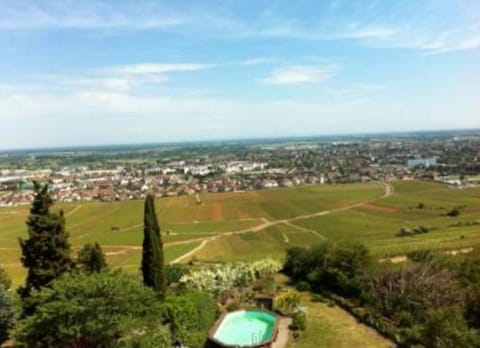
(283, 333)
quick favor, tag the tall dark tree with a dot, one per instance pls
(91, 258)
(46, 251)
(153, 267)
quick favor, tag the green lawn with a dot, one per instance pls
(333, 327)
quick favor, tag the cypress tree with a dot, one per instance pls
(153, 269)
(91, 258)
(46, 251)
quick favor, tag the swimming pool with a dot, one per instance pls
(245, 328)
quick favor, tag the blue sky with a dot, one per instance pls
(104, 72)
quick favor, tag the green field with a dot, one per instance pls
(257, 224)
(376, 224)
(271, 241)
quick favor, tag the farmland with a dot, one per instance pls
(256, 224)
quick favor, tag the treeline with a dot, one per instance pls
(432, 301)
(77, 301)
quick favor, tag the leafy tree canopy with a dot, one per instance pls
(90, 310)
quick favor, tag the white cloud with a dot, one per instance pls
(114, 117)
(433, 42)
(117, 78)
(295, 75)
(259, 60)
(126, 83)
(70, 14)
(155, 68)
(367, 32)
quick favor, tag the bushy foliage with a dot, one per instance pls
(221, 278)
(423, 256)
(408, 293)
(7, 313)
(469, 270)
(472, 307)
(153, 336)
(5, 279)
(446, 328)
(189, 316)
(300, 262)
(432, 302)
(299, 321)
(302, 285)
(91, 258)
(89, 310)
(288, 302)
(339, 268)
(405, 231)
(454, 212)
(174, 273)
(265, 267)
(233, 306)
(265, 285)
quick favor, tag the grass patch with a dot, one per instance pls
(331, 326)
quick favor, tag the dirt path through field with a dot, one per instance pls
(74, 210)
(404, 258)
(321, 236)
(263, 225)
(269, 223)
(190, 253)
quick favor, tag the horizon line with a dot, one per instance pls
(230, 140)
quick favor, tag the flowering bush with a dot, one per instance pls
(288, 301)
(222, 278)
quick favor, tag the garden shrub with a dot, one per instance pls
(174, 273)
(288, 301)
(454, 212)
(220, 279)
(189, 316)
(302, 286)
(89, 310)
(318, 298)
(339, 268)
(299, 321)
(233, 306)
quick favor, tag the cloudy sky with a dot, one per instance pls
(86, 72)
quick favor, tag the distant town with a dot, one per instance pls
(128, 172)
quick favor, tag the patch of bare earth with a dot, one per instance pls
(380, 208)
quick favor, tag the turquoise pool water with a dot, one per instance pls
(246, 328)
